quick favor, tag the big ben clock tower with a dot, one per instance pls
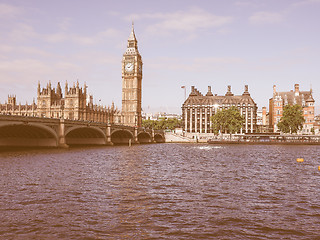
(131, 83)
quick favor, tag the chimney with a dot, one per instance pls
(246, 91)
(274, 89)
(229, 93)
(209, 93)
(264, 116)
(296, 89)
(192, 88)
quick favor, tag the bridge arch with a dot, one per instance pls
(144, 137)
(159, 138)
(85, 135)
(27, 135)
(121, 136)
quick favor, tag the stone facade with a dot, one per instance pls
(12, 108)
(131, 83)
(281, 99)
(198, 109)
(52, 104)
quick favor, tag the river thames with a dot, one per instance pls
(161, 191)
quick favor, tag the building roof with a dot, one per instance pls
(197, 98)
(292, 98)
(132, 49)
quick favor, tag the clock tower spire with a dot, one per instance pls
(131, 83)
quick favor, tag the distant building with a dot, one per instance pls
(198, 109)
(280, 99)
(259, 117)
(52, 104)
(262, 121)
(265, 117)
(148, 116)
(316, 125)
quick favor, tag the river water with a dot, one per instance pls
(161, 191)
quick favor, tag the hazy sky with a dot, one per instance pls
(187, 42)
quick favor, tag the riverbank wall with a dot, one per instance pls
(178, 138)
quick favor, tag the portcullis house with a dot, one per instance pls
(198, 109)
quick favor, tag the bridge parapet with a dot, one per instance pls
(13, 118)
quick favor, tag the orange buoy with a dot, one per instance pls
(319, 168)
(300, 159)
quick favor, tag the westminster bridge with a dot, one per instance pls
(50, 132)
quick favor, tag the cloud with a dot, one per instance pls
(218, 61)
(266, 18)
(9, 11)
(29, 70)
(204, 64)
(24, 65)
(65, 24)
(22, 50)
(6, 48)
(81, 40)
(31, 66)
(182, 21)
(22, 32)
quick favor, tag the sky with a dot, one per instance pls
(200, 43)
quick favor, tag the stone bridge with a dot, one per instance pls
(50, 132)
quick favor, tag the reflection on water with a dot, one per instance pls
(161, 191)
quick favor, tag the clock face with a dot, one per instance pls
(129, 67)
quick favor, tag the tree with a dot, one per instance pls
(148, 124)
(312, 130)
(292, 119)
(162, 124)
(219, 121)
(228, 120)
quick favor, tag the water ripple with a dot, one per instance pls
(161, 191)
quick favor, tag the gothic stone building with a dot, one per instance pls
(12, 108)
(131, 83)
(281, 99)
(52, 104)
(198, 109)
(74, 105)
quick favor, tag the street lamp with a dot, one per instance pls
(185, 94)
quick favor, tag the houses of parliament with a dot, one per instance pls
(76, 104)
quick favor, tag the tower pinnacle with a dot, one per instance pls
(132, 36)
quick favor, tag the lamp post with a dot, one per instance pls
(185, 93)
